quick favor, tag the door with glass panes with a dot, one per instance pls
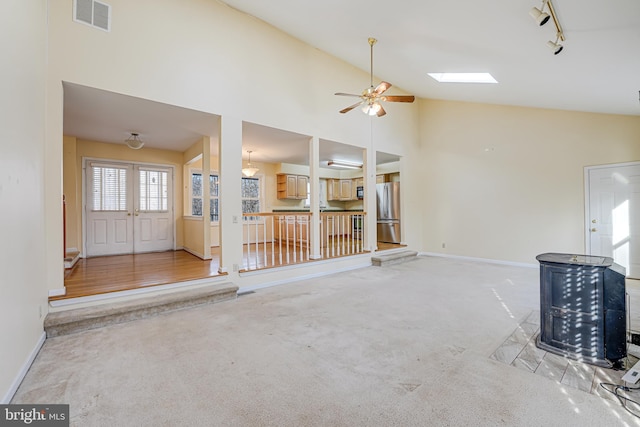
(128, 208)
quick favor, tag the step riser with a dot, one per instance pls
(393, 258)
(70, 325)
(393, 261)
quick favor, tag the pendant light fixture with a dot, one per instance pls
(249, 170)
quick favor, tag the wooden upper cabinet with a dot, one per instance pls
(301, 187)
(340, 189)
(345, 189)
(292, 186)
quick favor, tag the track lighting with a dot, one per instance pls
(555, 46)
(541, 18)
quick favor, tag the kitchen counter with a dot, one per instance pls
(321, 210)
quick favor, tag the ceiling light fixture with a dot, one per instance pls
(555, 46)
(134, 142)
(344, 164)
(249, 170)
(371, 108)
(541, 18)
(539, 15)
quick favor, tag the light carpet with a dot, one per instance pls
(405, 345)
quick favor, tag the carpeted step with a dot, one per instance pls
(81, 319)
(393, 258)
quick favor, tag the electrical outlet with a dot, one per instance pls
(236, 267)
(444, 245)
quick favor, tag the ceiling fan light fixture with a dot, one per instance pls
(134, 142)
(371, 109)
(249, 171)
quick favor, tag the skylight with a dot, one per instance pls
(463, 77)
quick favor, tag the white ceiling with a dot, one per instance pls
(97, 115)
(598, 71)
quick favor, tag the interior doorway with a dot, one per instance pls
(613, 214)
(128, 208)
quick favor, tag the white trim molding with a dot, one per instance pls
(23, 371)
(57, 292)
(485, 260)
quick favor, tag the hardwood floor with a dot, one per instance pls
(382, 246)
(99, 275)
(92, 276)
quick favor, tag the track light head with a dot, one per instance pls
(539, 16)
(555, 47)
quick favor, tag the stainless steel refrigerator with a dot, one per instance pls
(388, 197)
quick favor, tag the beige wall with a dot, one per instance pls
(75, 150)
(22, 200)
(507, 183)
(207, 63)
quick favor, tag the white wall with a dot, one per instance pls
(22, 134)
(525, 195)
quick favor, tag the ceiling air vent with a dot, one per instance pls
(92, 12)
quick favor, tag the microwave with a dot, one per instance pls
(360, 192)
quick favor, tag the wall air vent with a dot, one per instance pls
(92, 12)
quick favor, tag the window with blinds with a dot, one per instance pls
(109, 188)
(196, 195)
(153, 191)
(250, 195)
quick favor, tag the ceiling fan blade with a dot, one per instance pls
(399, 98)
(383, 86)
(381, 111)
(351, 107)
(346, 94)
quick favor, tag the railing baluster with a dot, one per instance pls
(340, 234)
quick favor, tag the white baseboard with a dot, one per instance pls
(246, 289)
(23, 371)
(57, 292)
(199, 255)
(485, 260)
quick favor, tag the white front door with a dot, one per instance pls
(614, 215)
(128, 208)
(153, 209)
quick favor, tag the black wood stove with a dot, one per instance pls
(582, 308)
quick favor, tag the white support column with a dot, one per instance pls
(370, 205)
(314, 182)
(229, 193)
(206, 201)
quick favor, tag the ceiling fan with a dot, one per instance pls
(372, 97)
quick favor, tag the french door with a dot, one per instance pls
(613, 214)
(128, 208)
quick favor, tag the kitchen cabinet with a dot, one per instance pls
(292, 186)
(340, 189)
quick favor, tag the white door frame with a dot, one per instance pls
(587, 198)
(87, 160)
